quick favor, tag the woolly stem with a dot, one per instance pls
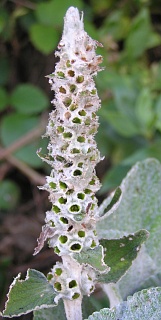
(73, 308)
(113, 294)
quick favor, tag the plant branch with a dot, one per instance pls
(35, 177)
(73, 308)
(4, 168)
(25, 3)
(26, 139)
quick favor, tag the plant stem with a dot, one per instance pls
(113, 294)
(24, 140)
(34, 176)
(73, 308)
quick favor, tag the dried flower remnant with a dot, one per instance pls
(72, 184)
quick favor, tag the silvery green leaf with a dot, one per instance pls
(111, 203)
(143, 305)
(142, 274)
(94, 257)
(140, 208)
(30, 294)
(51, 313)
(120, 253)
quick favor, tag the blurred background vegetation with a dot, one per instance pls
(130, 117)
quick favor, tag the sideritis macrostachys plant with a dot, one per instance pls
(72, 153)
(70, 225)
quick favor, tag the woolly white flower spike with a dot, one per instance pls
(71, 285)
(70, 225)
(73, 154)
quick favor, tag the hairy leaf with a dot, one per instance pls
(94, 257)
(119, 254)
(144, 305)
(139, 275)
(51, 313)
(140, 208)
(110, 204)
(30, 294)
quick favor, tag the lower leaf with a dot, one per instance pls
(51, 313)
(30, 294)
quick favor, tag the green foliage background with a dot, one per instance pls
(129, 87)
